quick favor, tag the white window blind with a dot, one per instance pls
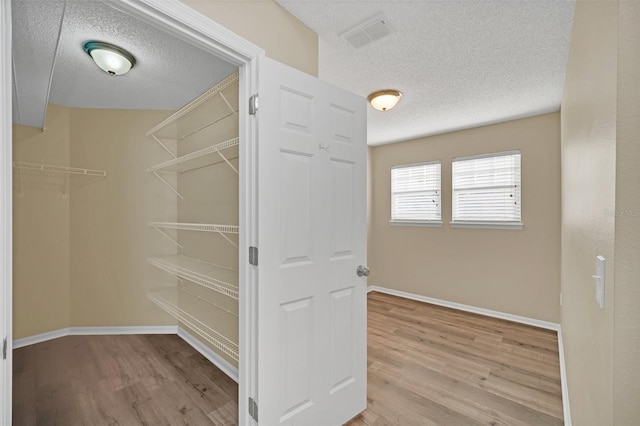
(415, 193)
(487, 188)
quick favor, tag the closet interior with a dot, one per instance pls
(125, 187)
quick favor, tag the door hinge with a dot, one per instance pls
(253, 104)
(253, 409)
(4, 349)
(253, 256)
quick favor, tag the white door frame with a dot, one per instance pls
(184, 23)
(6, 240)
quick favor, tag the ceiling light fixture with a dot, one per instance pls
(384, 100)
(110, 58)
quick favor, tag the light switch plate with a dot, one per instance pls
(599, 277)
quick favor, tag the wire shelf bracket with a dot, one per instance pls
(209, 275)
(176, 302)
(214, 149)
(227, 82)
(221, 230)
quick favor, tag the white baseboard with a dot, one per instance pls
(467, 308)
(39, 338)
(209, 354)
(104, 331)
(566, 409)
(93, 331)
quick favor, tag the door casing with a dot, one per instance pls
(184, 23)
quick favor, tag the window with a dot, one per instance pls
(415, 194)
(486, 190)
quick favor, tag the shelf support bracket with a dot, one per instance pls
(226, 238)
(168, 185)
(173, 240)
(228, 162)
(164, 147)
(228, 104)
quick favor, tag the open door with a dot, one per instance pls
(5, 213)
(311, 355)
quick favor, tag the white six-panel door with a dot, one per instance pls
(312, 237)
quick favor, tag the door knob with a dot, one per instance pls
(362, 271)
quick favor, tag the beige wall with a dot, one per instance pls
(109, 240)
(588, 192)
(626, 317)
(600, 156)
(41, 229)
(266, 24)
(81, 260)
(511, 271)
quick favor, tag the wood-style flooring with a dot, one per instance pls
(120, 380)
(427, 365)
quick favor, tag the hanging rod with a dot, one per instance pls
(59, 169)
(196, 102)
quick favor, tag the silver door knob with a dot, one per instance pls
(362, 271)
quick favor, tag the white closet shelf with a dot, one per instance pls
(209, 275)
(227, 82)
(58, 169)
(214, 324)
(206, 227)
(205, 157)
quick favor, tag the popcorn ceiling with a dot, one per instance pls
(459, 64)
(168, 73)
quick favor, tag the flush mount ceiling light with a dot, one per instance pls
(384, 100)
(111, 59)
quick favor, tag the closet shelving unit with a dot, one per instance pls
(62, 171)
(215, 277)
(200, 312)
(201, 316)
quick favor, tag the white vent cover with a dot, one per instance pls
(367, 32)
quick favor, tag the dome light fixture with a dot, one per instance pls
(110, 58)
(384, 100)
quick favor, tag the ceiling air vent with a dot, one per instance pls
(367, 32)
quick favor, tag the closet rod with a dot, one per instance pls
(59, 169)
(196, 102)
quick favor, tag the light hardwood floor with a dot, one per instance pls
(427, 365)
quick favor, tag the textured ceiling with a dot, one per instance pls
(459, 64)
(168, 73)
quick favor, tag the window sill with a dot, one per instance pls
(487, 225)
(426, 223)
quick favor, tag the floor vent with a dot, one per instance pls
(367, 32)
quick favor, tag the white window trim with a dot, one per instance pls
(423, 223)
(488, 155)
(487, 225)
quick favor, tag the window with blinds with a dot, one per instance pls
(486, 189)
(415, 193)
